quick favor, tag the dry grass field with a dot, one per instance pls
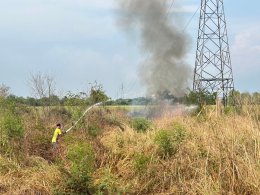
(205, 153)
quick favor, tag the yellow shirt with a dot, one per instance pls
(55, 135)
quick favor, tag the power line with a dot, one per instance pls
(171, 6)
(168, 10)
(189, 21)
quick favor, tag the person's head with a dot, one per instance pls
(58, 125)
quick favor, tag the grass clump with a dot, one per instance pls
(141, 124)
(94, 130)
(109, 183)
(141, 162)
(169, 141)
(114, 121)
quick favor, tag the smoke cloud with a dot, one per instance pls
(165, 69)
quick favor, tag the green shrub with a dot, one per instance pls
(141, 162)
(62, 112)
(141, 124)
(11, 135)
(11, 128)
(81, 154)
(169, 141)
(94, 130)
(12, 124)
(109, 183)
(165, 143)
(10, 120)
(82, 160)
(179, 133)
(114, 121)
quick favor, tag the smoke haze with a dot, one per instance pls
(166, 45)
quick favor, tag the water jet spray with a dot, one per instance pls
(84, 113)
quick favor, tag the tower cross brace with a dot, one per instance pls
(213, 70)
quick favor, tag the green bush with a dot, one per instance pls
(179, 133)
(164, 140)
(200, 98)
(82, 160)
(94, 130)
(62, 112)
(141, 162)
(141, 124)
(169, 141)
(12, 124)
(109, 183)
(11, 128)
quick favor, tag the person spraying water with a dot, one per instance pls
(56, 135)
(58, 132)
(55, 140)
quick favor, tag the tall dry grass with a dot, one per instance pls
(207, 153)
(219, 155)
(37, 177)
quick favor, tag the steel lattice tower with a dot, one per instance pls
(213, 71)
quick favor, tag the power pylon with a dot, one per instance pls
(213, 70)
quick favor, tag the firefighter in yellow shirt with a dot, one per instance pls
(56, 135)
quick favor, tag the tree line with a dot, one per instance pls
(43, 90)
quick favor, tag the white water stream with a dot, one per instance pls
(86, 111)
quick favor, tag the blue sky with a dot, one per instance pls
(78, 42)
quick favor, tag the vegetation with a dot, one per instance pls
(198, 98)
(169, 141)
(81, 158)
(110, 153)
(141, 124)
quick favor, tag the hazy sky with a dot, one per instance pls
(78, 42)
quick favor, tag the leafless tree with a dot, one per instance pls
(50, 83)
(42, 85)
(4, 90)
